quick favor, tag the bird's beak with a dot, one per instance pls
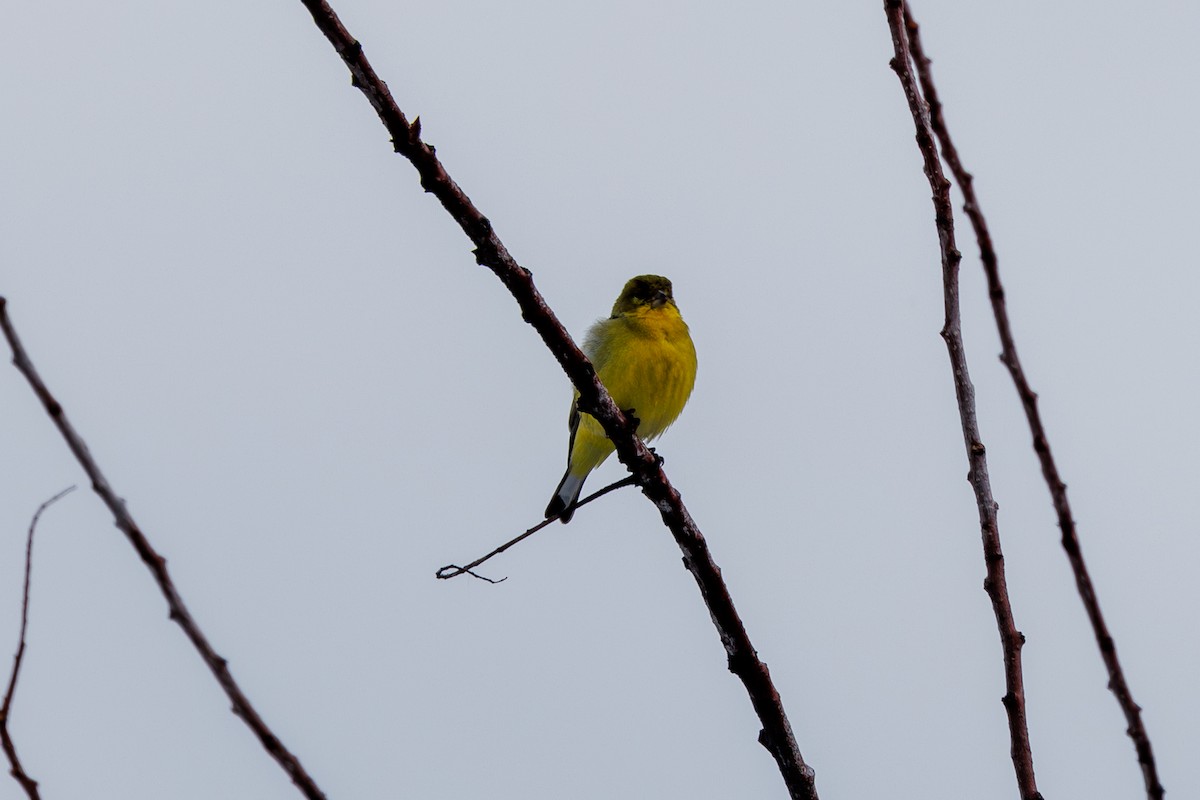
(659, 300)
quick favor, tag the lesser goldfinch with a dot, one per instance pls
(644, 356)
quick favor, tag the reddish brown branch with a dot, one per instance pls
(995, 584)
(10, 748)
(158, 568)
(1029, 400)
(776, 734)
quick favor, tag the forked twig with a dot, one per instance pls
(17, 770)
(995, 584)
(776, 734)
(1029, 401)
(158, 568)
(453, 570)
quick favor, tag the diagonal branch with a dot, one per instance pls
(995, 583)
(1029, 398)
(453, 570)
(158, 568)
(776, 734)
(10, 748)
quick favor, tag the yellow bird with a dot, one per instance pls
(644, 356)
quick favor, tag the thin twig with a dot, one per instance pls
(490, 252)
(10, 748)
(1029, 400)
(453, 570)
(995, 583)
(158, 568)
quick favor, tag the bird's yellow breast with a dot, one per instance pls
(648, 363)
(646, 360)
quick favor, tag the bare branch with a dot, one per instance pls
(995, 583)
(158, 568)
(1029, 398)
(453, 571)
(490, 252)
(10, 748)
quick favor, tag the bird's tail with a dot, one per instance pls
(563, 502)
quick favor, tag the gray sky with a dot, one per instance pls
(282, 353)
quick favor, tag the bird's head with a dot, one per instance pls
(644, 291)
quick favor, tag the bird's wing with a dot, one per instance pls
(596, 351)
(573, 424)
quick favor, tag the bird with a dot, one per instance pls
(644, 356)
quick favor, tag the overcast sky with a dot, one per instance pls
(282, 353)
